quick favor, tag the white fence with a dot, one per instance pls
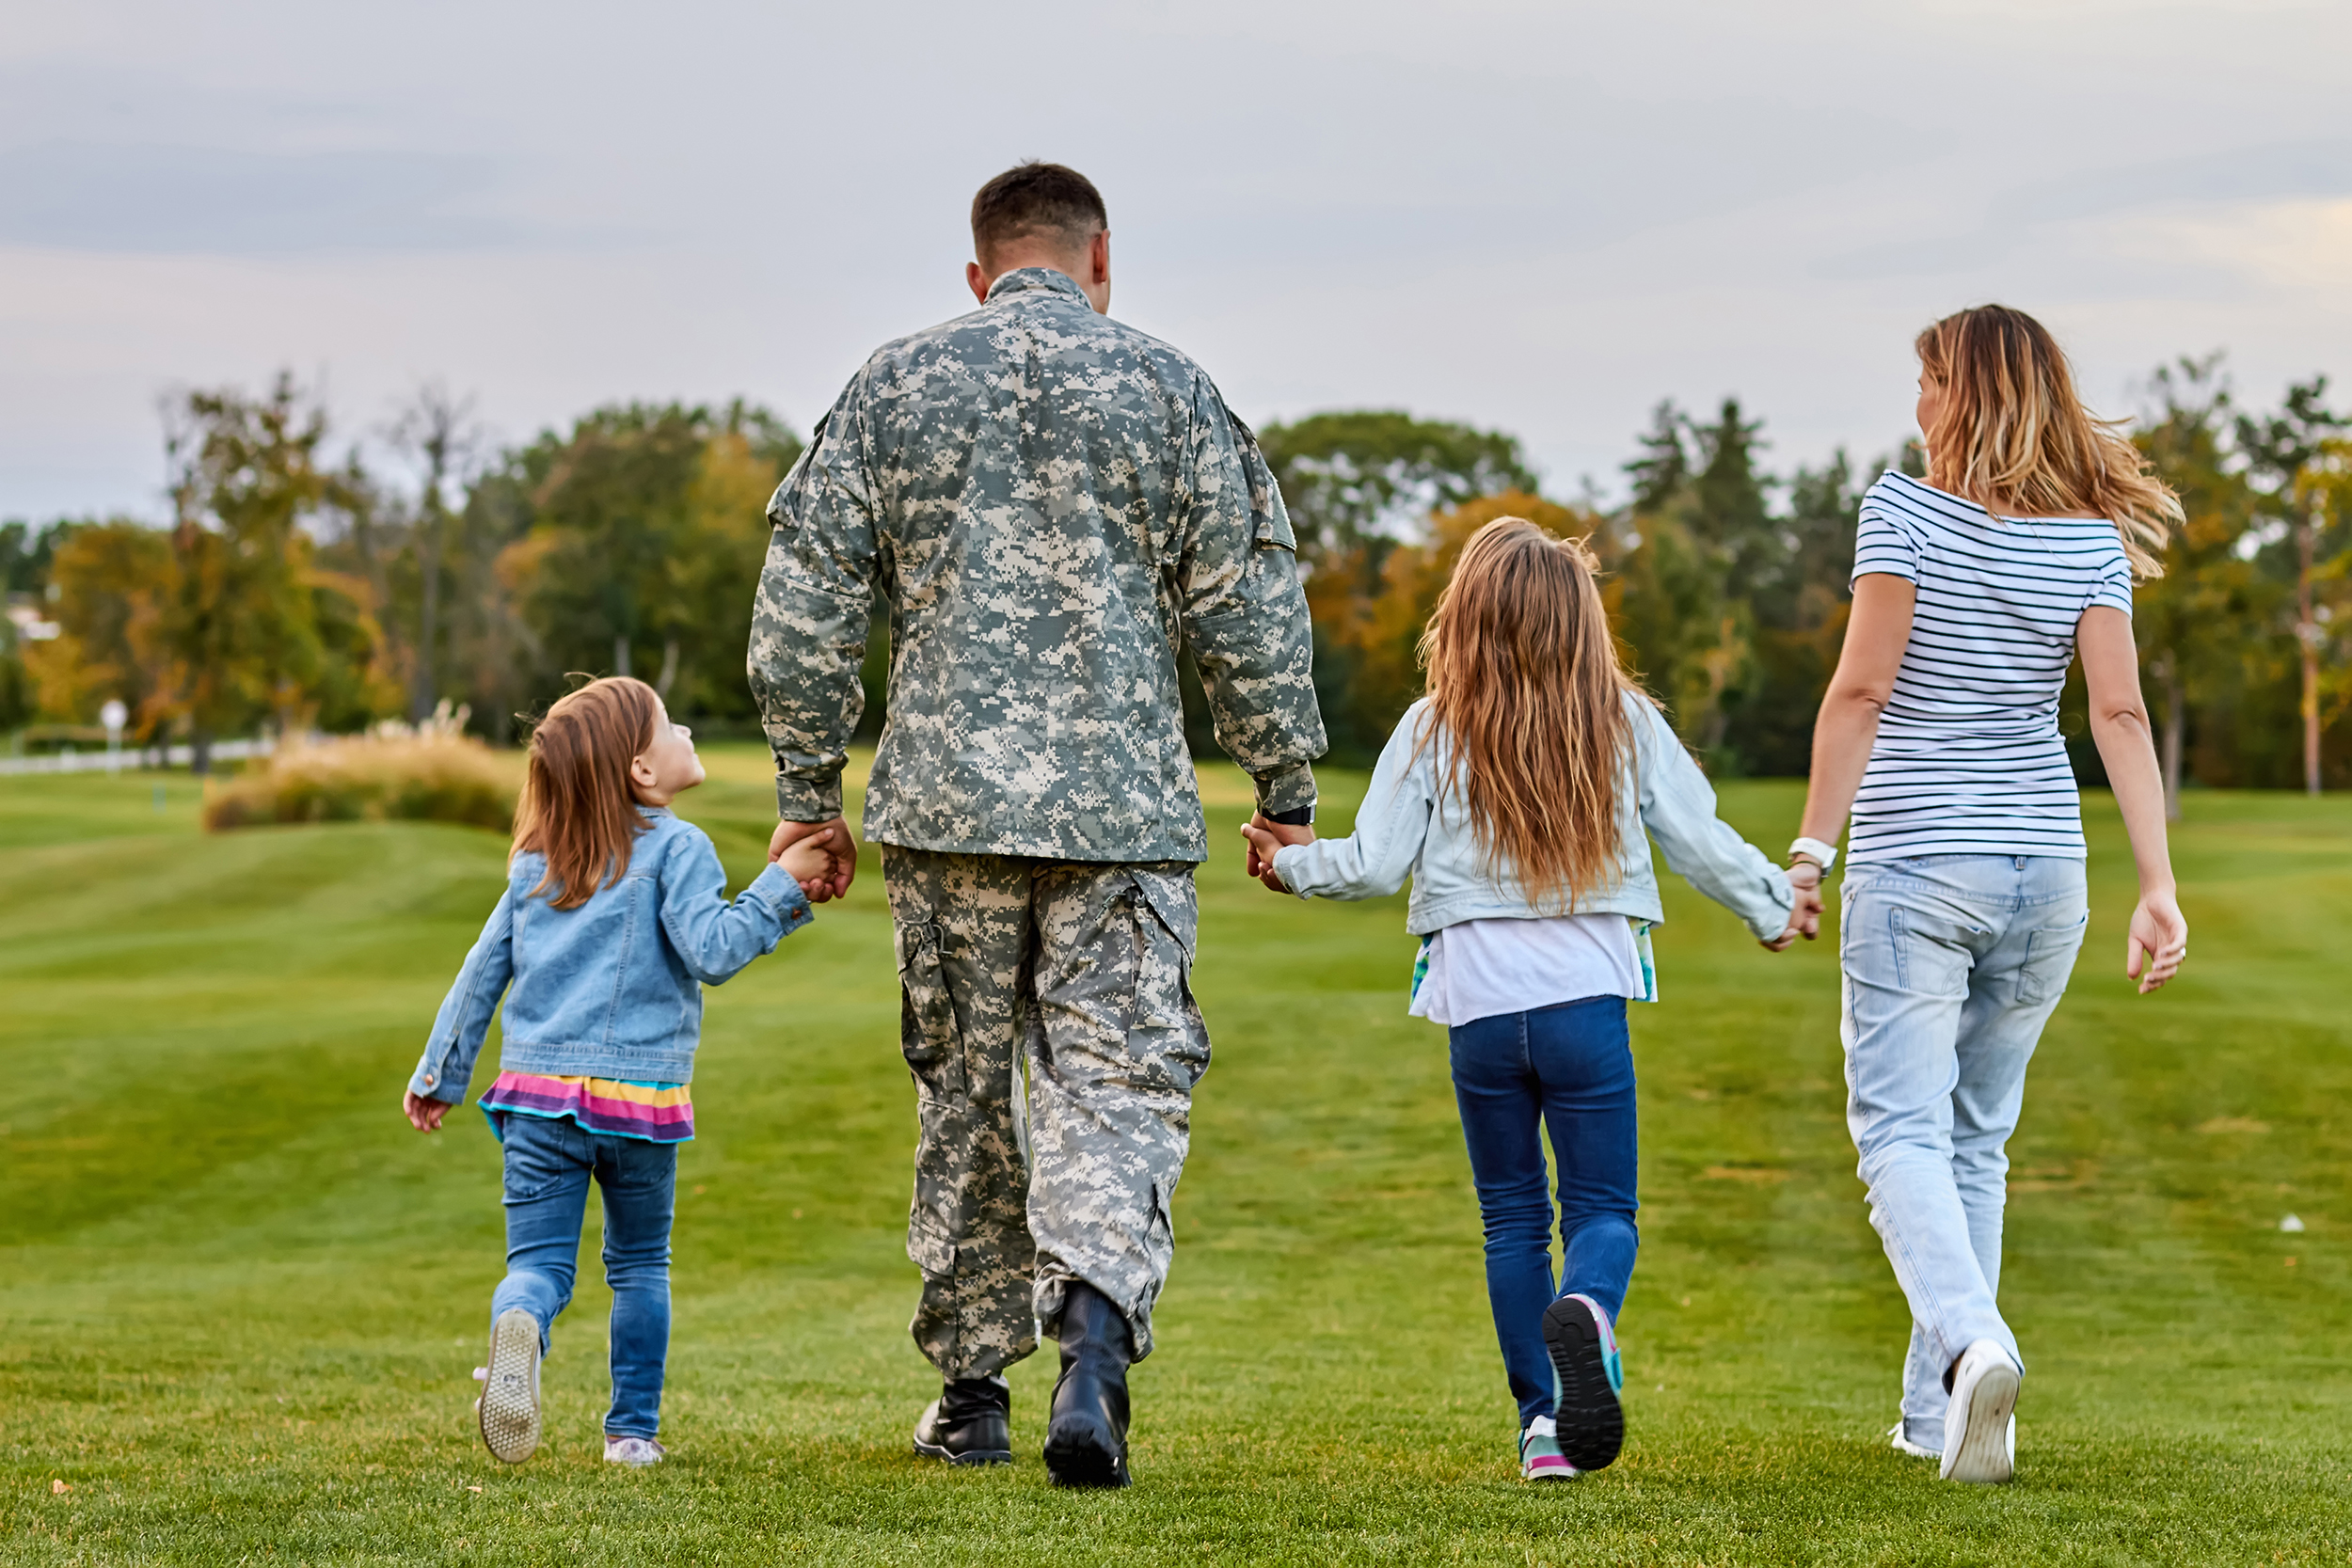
(112, 761)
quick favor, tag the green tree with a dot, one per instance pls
(253, 625)
(2278, 449)
(1696, 547)
(436, 432)
(641, 555)
(1356, 481)
(2195, 679)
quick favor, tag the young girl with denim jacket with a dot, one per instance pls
(614, 916)
(1515, 794)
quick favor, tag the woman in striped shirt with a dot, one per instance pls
(1964, 904)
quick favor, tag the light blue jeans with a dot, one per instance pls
(549, 1162)
(1952, 964)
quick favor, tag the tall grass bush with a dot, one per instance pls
(431, 773)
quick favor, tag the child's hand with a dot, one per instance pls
(841, 864)
(1804, 915)
(424, 1115)
(815, 863)
(1265, 838)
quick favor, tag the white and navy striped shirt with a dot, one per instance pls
(1969, 759)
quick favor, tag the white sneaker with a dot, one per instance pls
(509, 1405)
(1903, 1444)
(1979, 1438)
(632, 1451)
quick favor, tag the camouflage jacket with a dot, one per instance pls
(1051, 503)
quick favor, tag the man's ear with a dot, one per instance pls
(1099, 256)
(977, 280)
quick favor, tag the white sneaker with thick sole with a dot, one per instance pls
(632, 1451)
(1909, 1450)
(1979, 1439)
(1904, 1445)
(509, 1405)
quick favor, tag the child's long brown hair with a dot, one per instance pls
(2014, 436)
(579, 808)
(1524, 681)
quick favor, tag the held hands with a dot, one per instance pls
(1265, 839)
(1804, 915)
(820, 856)
(2158, 941)
(423, 1115)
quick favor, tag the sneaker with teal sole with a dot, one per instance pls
(1585, 1357)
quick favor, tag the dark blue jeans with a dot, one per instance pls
(548, 1165)
(1569, 1069)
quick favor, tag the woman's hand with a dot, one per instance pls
(2158, 943)
(424, 1115)
(1265, 838)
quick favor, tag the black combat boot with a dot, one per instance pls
(1086, 1444)
(969, 1423)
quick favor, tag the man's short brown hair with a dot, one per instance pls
(1046, 201)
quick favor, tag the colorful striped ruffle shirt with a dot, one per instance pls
(658, 1112)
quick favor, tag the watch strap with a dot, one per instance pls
(1823, 855)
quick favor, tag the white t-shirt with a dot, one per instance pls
(1969, 759)
(1483, 966)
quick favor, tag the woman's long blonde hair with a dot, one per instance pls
(2014, 436)
(579, 808)
(1525, 683)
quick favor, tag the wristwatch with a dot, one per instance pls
(1302, 817)
(1822, 855)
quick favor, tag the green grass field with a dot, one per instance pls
(240, 1298)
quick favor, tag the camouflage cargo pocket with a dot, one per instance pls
(928, 1036)
(1164, 1030)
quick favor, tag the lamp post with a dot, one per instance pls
(114, 716)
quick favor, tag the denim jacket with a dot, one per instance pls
(611, 988)
(1404, 826)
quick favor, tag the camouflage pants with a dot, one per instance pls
(1076, 974)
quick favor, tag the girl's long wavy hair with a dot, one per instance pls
(579, 808)
(1525, 683)
(2014, 436)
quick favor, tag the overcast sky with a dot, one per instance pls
(1541, 218)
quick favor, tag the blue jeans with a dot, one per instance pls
(1952, 964)
(1569, 1069)
(548, 1164)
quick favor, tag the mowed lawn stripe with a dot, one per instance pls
(239, 1297)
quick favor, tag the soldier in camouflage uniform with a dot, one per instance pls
(1052, 504)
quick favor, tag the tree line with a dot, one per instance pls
(300, 585)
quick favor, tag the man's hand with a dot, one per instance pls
(1265, 839)
(2158, 941)
(1804, 915)
(841, 846)
(424, 1115)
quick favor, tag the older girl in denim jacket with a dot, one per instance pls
(1515, 794)
(614, 916)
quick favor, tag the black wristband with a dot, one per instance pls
(1304, 816)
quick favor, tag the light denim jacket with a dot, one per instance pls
(611, 988)
(1404, 826)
